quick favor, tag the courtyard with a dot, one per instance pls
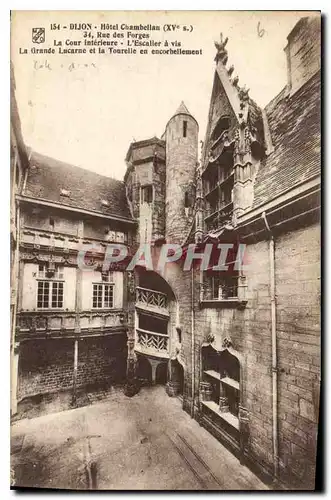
(146, 442)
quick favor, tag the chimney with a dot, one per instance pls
(303, 52)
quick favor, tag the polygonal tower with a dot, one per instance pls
(181, 138)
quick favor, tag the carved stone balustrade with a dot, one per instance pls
(38, 324)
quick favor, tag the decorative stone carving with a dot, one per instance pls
(227, 342)
(205, 391)
(247, 139)
(131, 283)
(243, 415)
(222, 54)
(236, 150)
(235, 81)
(224, 404)
(243, 94)
(231, 70)
(210, 338)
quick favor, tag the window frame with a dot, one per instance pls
(184, 128)
(142, 197)
(106, 281)
(103, 286)
(51, 283)
(56, 280)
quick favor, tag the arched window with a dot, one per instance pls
(222, 125)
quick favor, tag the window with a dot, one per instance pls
(147, 194)
(224, 286)
(51, 223)
(103, 295)
(221, 285)
(184, 128)
(50, 288)
(50, 271)
(50, 295)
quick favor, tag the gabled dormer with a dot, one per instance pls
(233, 146)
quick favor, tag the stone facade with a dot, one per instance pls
(241, 348)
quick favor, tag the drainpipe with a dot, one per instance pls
(192, 342)
(273, 346)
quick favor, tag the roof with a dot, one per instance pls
(182, 110)
(145, 142)
(48, 177)
(294, 123)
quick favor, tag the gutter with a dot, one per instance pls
(274, 367)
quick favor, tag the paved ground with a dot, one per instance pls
(143, 443)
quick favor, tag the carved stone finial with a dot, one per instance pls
(210, 338)
(222, 54)
(227, 342)
(235, 81)
(231, 70)
(243, 94)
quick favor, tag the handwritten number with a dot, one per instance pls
(260, 31)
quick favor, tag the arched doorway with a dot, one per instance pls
(144, 371)
(161, 374)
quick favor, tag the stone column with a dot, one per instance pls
(74, 378)
(173, 385)
(131, 387)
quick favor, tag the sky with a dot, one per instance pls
(87, 109)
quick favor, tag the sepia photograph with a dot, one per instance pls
(165, 250)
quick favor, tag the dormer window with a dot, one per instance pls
(65, 193)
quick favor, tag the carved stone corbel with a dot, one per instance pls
(223, 404)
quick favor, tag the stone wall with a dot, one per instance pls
(46, 366)
(298, 333)
(297, 260)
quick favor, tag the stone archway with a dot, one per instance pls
(161, 373)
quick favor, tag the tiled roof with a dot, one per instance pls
(294, 124)
(47, 178)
